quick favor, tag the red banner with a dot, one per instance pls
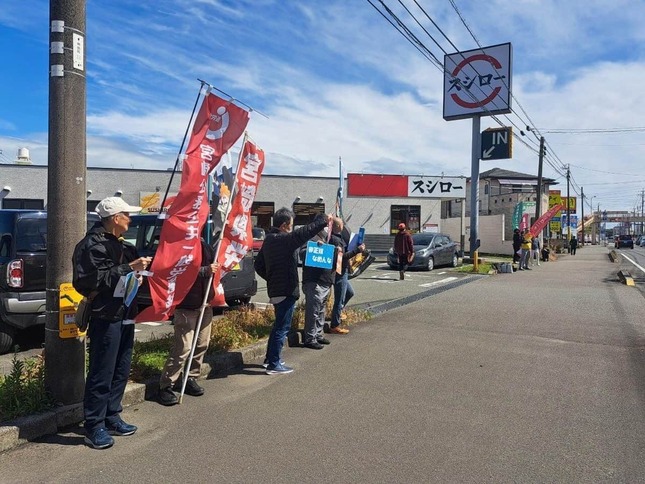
(540, 223)
(237, 238)
(218, 125)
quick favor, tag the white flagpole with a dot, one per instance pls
(205, 301)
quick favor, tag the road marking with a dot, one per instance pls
(152, 323)
(634, 262)
(440, 281)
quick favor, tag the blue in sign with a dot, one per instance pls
(321, 256)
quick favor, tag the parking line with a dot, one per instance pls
(634, 262)
(440, 281)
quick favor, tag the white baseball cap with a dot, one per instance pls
(112, 205)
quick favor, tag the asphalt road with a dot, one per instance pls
(536, 376)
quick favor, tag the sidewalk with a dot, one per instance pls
(513, 302)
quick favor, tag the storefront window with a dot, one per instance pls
(24, 203)
(262, 214)
(410, 215)
(306, 212)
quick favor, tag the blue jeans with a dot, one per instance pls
(111, 345)
(343, 292)
(281, 326)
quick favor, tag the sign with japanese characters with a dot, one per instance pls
(497, 144)
(477, 82)
(319, 255)
(436, 187)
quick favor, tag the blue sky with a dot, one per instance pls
(335, 79)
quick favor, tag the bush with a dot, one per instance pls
(22, 392)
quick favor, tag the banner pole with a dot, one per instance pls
(181, 148)
(210, 280)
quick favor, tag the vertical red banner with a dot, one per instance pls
(237, 238)
(218, 125)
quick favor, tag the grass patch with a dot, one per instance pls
(22, 391)
(235, 329)
(483, 268)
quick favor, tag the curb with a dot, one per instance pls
(31, 427)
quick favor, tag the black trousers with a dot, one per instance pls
(111, 345)
(403, 262)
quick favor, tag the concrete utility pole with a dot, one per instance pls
(538, 200)
(568, 212)
(66, 185)
(582, 205)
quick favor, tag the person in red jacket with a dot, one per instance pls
(404, 249)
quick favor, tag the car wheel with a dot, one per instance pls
(430, 264)
(7, 335)
(455, 260)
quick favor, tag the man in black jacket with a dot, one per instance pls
(277, 263)
(185, 322)
(101, 262)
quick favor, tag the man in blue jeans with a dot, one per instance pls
(343, 290)
(277, 263)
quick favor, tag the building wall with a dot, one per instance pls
(491, 234)
(30, 181)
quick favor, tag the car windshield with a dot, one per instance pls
(31, 235)
(422, 239)
(625, 237)
(258, 233)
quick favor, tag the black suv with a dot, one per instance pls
(23, 258)
(239, 285)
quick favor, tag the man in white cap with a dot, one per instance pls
(101, 260)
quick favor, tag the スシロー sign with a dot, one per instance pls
(477, 82)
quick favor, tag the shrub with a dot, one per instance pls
(22, 391)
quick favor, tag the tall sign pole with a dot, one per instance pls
(66, 191)
(474, 190)
(477, 83)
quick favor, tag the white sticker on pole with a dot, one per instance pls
(78, 51)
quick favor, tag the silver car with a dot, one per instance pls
(430, 250)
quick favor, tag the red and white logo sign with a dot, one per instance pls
(477, 82)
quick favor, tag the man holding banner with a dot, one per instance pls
(277, 264)
(185, 323)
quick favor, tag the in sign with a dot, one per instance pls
(497, 144)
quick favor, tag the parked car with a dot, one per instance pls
(239, 284)
(624, 241)
(430, 250)
(642, 244)
(23, 260)
(258, 238)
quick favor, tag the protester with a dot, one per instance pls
(535, 250)
(517, 245)
(573, 245)
(316, 284)
(525, 250)
(343, 290)
(101, 261)
(185, 323)
(404, 249)
(277, 264)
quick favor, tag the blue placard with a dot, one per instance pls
(321, 256)
(361, 235)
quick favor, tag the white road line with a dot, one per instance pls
(440, 281)
(634, 262)
(152, 323)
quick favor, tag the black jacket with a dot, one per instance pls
(195, 296)
(100, 259)
(277, 261)
(323, 277)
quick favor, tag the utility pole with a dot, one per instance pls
(642, 206)
(568, 211)
(582, 204)
(538, 200)
(66, 185)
